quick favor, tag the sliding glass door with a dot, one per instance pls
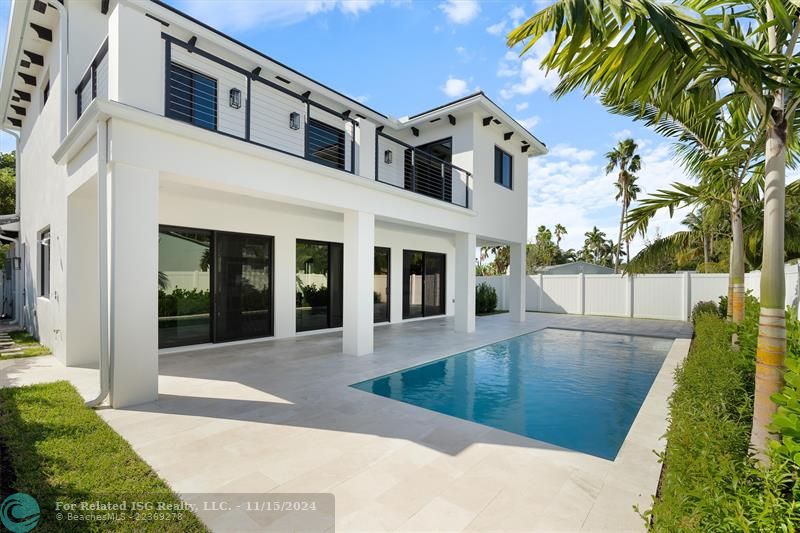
(243, 298)
(318, 285)
(381, 285)
(423, 284)
(184, 286)
(213, 286)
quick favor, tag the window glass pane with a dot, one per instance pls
(325, 144)
(319, 284)
(381, 286)
(434, 284)
(507, 170)
(184, 296)
(192, 97)
(413, 271)
(44, 264)
(242, 279)
(502, 167)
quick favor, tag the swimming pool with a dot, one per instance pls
(575, 389)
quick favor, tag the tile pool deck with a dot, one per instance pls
(280, 416)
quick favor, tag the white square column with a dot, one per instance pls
(516, 285)
(359, 282)
(465, 282)
(133, 284)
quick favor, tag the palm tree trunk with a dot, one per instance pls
(619, 240)
(705, 252)
(771, 349)
(730, 281)
(736, 304)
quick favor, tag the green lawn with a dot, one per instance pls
(30, 346)
(54, 448)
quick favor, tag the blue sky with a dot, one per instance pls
(402, 57)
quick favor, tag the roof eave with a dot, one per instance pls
(16, 26)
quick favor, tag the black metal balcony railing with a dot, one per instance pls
(94, 80)
(405, 166)
(210, 92)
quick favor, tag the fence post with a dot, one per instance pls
(581, 293)
(629, 296)
(541, 293)
(687, 297)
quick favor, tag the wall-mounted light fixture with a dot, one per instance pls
(235, 98)
(17, 263)
(387, 157)
(294, 120)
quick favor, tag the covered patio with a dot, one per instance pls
(280, 416)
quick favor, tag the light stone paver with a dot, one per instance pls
(280, 416)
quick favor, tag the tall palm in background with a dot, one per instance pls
(559, 231)
(594, 245)
(635, 49)
(627, 162)
(626, 193)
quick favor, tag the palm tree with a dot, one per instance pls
(627, 193)
(594, 243)
(633, 48)
(623, 157)
(559, 231)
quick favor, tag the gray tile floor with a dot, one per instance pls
(280, 416)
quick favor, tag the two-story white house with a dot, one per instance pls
(177, 187)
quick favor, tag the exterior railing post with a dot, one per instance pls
(414, 169)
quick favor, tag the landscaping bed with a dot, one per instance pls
(54, 448)
(710, 481)
(28, 345)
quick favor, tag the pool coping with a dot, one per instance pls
(633, 478)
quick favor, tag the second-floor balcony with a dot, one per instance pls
(215, 94)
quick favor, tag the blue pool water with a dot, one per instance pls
(575, 389)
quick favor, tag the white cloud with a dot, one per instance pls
(569, 186)
(454, 87)
(460, 11)
(529, 123)
(517, 14)
(248, 14)
(521, 106)
(497, 29)
(526, 72)
(622, 134)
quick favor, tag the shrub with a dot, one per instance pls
(704, 308)
(485, 298)
(723, 306)
(710, 482)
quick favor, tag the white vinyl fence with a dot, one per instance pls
(660, 296)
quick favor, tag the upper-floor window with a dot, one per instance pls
(503, 164)
(44, 263)
(192, 97)
(325, 144)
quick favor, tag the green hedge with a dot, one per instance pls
(485, 298)
(710, 482)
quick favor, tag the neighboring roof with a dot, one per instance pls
(8, 219)
(577, 267)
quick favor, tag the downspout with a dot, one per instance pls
(63, 37)
(102, 256)
(17, 246)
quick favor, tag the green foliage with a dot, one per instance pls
(8, 180)
(710, 482)
(701, 308)
(723, 306)
(313, 296)
(786, 421)
(485, 298)
(53, 446)
(181, 302)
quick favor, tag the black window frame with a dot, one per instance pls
(45, 262)
(189, 115)
(213, 334)
(499, 178)
(442, 289)
(330, 321)
(46, 91)
(327, 128)
(388, 251)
